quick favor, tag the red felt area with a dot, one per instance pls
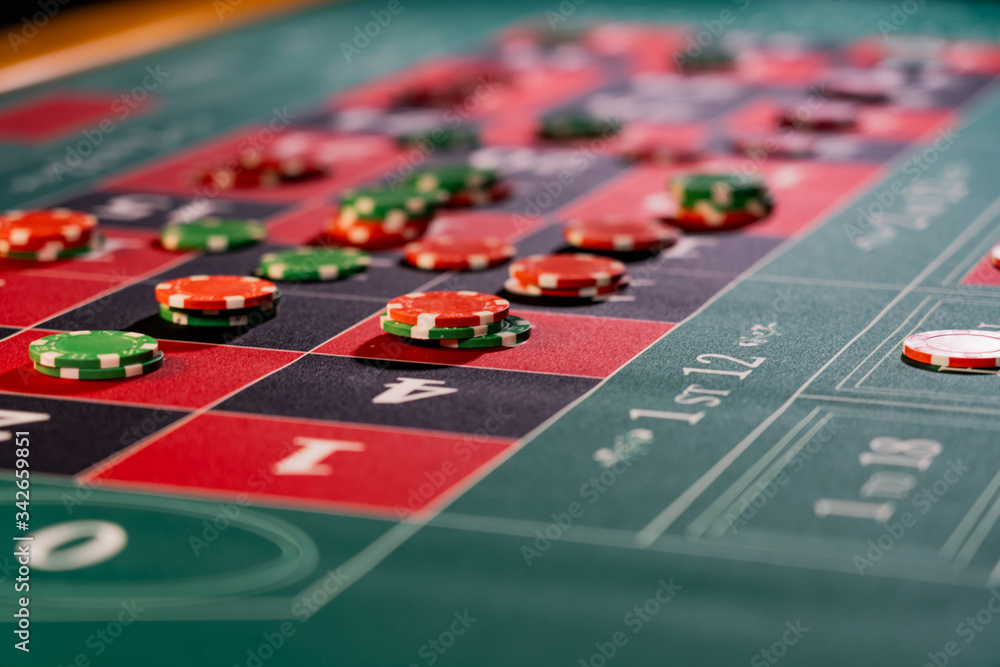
(193, 374)
(46, 118)
(803, 192)
(387, 471)
(351, 159)
(560, 344)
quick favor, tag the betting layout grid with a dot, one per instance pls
(313, 345)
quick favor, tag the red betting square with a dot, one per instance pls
(193, 374)
(351, 159)
(30, 296)
(386, 471)
(46, 118)
(803, 192)
(561, 344)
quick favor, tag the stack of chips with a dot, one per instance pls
(312, 263)
(621, 235)
(576, 125)
(263, 169)
(459, 320)
(717, 202)
(568, 279)
(212, 234)
(218, 301)
(47, 235)
(377, 217)
(95, 355)
(462, 184)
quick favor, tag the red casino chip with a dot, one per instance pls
(450, 253)
(617, 234)
(648, 145)
(448, 309)
(958, 348)
(26, 231)
(867, 87)
(514, 286)
(828, 117)
(215, 292)
(261, 171)
(567, 270)
(708, 219)
(373, 236)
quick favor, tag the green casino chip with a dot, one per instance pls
(576, 126)
(724, 192)
(441, 138)
(513, 331)
(313, 263)
(390, 325)
(376, 203)
(187, 319)
(93, 349)
(704, 60)
(452, 178)
(212, 234)
(120, 373)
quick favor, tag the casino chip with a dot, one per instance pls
(461, 254)
(957, 348)
(513, 331)
(374, 204)
(92, 349)
(576, 125)
(215, 292)
(313, 263)
(864, 86)
(55, 250)
(212, 234)
(707, 59)
(258, 169)
(447, 309)
(390, 325)
(191, 318)
(372, 236)
(31, 231)
(618, 234)
(715, 202)
(451, 178)
(514, 286)
(117, 373)
(265, 308)
(440, 138)
(567, 271)
(832, 116)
